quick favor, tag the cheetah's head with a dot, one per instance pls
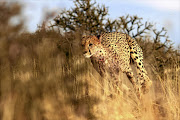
(90, 45)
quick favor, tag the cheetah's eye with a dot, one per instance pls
(90, 44)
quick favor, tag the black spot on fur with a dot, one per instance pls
(139, 63)
(98, 36)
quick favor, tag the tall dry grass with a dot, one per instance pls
(45, 78)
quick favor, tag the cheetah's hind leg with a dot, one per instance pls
(134, 82)
(143, 79)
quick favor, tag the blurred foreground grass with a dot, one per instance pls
(42, 78)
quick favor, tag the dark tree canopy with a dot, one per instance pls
(86, 16)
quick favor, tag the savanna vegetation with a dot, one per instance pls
(44, 76)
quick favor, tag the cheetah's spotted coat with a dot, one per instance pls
(115, 50)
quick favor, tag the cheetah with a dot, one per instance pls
(115, 51)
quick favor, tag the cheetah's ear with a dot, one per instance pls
(99, 37)
(83, 36)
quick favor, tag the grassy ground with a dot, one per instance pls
(43, 76)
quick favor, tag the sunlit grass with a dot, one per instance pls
(42, 81)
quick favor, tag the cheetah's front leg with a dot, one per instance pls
(117, 82)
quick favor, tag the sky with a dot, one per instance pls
(163, 13)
